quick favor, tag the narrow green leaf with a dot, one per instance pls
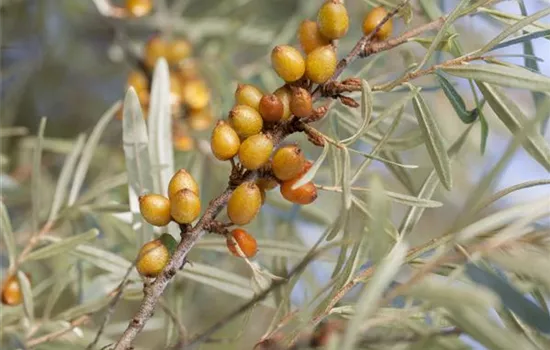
(13, 131)
(434, 141)
(36, 176)
(310, 174)
(514, 119)
(484, 131)
(83, 309)
(169, 242)
(532, 264)
(378, 204)
(446, 44)
(346, 180)
(368, 300)
(383, 160)
(401, 174)
(523, 39)
(456, 100)
(366, 113)
(7, 234)
(61, 282)
(62, 246)
(88, 152)
(65, 177)
(501, 75)
(28, 301)
(103, 259)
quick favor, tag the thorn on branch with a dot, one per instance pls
(348, 101)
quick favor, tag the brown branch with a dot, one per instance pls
(54, 335)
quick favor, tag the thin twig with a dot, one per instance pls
(54, 335)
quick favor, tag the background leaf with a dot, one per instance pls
(62, 246)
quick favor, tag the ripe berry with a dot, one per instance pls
(154, 49)
(285, 95)
(200, 119)
(248, 95)
(267, 183)
(224, 142)
(144, 98)
(333, 19)
(255, 151)
(177, 51)
(288, 162)
(186, 206)
(139, 8)
(183, 142)
(245, 120)
(244, 203)
(155, 209)
(152, 258)
(187, 70)
(305, 194)
(138, 80)
(182, 180)
(246, 243)
(11, 291)
(288, 63)
(310, 37)
(271, 108)
(300, 103)
(321, 64)
(175, 94)
(195, 94)
(373, 18)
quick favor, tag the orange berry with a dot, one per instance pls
(267, 183)
(305, 194)
(155, 209)
(138, 80)
(288, 63)
(154, 49)
(244, 203)
(285, 95)
(187, 70)
(373, 18)
(11, 291)
(310, 37)
(200, 119)
(177, 51)
(195, 94)
(246, 243)
(333, 20)
(321, 64)
(301, 104)
(224, 142)
(255, 151)
(245, 120)
(186, 206)
(248, 95)
(152, 258)
(144, 98)
(288, 162)
(182, 180)
(271, 108)
(139, 8)
(183, 142)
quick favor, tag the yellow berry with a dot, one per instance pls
(255, 151)
(195, 94)
(224, 142)
(288, 63)
(245, 120)
(373, 18)
(267, 183)
(138, 80)
(248, 95)
(244, 240)
(154, 49)
(177, 51)
(288, 162)
(144, 98)
(183, 142)
(271, 108)
(186, 206)
(303, 195)
(152, 258)
(310, 37)
(187, 70)
(11, 291)
(200, 119)
(139, 8)
(182, 180)
(301, 104)
(244, 203)
(333, 20)
(285, 95)
(155, 209)
(321, 64)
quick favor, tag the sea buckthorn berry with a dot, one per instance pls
(224, 142)
(187, 70)
(285, 95)
(288, 63)
(244, 240)
(182, 180)
(288, 162)
(267, 183)
(144, 98)
(271, 108)
(195, 94)
(244, 203)
(310, 37)
(321, 64)
(373, 18)
(248, 95)
(152, 258)
(186, 206)
(154, 49)
(155, 209)
(300, 103)
(333, 20)
(245, 120)
(183, 142)
(200, 119)
(255, 151)
(11, 291)
(177, 51)
(303, 195)
(138, 80)
(139, 8)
